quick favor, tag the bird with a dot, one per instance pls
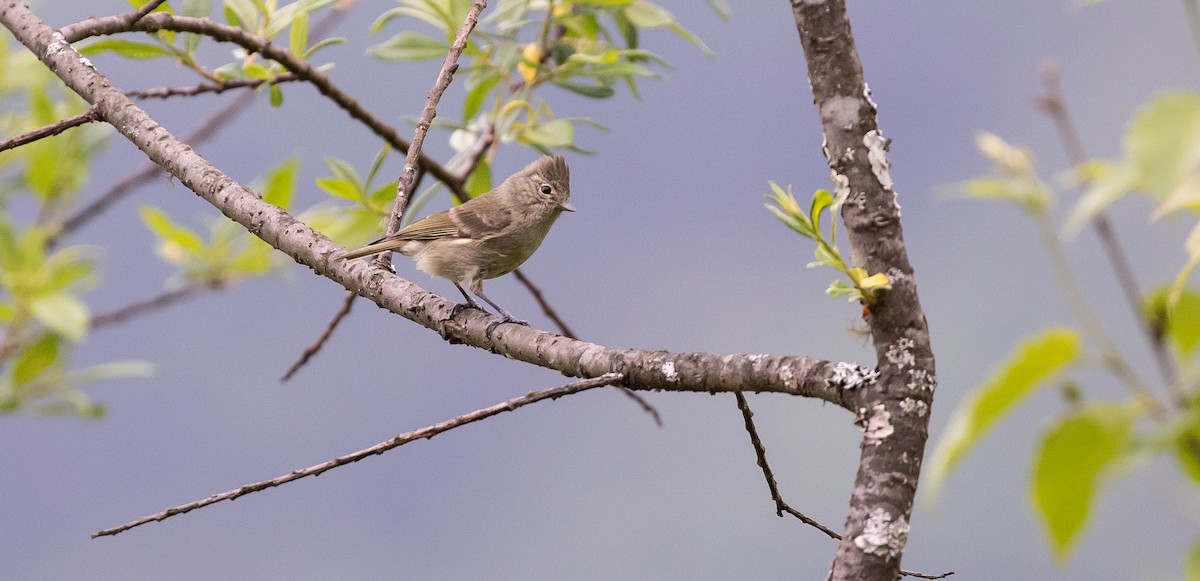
(487, 236)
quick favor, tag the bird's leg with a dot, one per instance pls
(505, 316)
(470, 304)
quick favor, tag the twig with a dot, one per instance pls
(395, 442)
(143, 11)
(541, 301)
(296, 65)
(315, 348)
(51, 130)
(780, 506)
(1052, 103)
(200, 135)
(165, 92)
(444, 78)
(1193, 15)
(122, 188)
(163, 300)
(761, 452)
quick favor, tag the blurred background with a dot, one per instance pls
(671, 249)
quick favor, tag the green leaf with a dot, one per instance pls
(62, 313)
(646, 14)
(1069, 466)
(281, 183)
(593, 91)
(125, 48)
(1035, 361)
(161, 224)
(339, 188)
(1107, 182)
(1180, 324)
(478, 88)
(409, 46)
(343, 170)
(34, 359)
(1163, 142)
(276, 96)
(480, 180)
(1193, 563)
(556, 133)
(322, 44)
(298, 34)
(112, 370)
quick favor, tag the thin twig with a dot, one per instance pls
(444, 78)
(163, 300)
(51, 130)
(781, 507)
(315, 348)
(1193, 14)
(149, 171)
(143, 11)
(761, 452)
(395, 442)
(1054, 105)
(166, 92)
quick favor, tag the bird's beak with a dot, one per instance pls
(567, 206)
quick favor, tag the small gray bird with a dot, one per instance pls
(487, 236)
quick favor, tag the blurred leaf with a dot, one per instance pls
(1069, 465)
(298, 34)
(62, 313)
(556, 133)
(276, 96)
(34, 359)
(646, 14)
(480, 180)
(281, 183)
(242, 14)
(322, 44)
(1107, 182)
(593, 91)
(339, 188)
(343, 170)
(125, 48)
(721, 8)
(161, 224)
(1193, 563)
(1035, 361)
(112, 370)
(1179, 324)
(418, 13)
(409, 46)
(1163, 142)
(478, 88)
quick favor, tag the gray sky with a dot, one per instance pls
(670, 249)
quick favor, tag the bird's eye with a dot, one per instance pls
(546, 189)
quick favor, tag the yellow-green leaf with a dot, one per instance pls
(1163, 141)
(1193, 563)
(62, 313)
(1069, 467)
(34, 359)
(1035, 361)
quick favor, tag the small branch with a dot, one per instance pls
(1052, 103)
(544, 304)
(1193, 15)
(781, 507)
(380, 448)
(143, 11)
(315, 348)
(155, 303)
(444, 78)
(148, 172)
(218, 88)
(294, 64)
(51, 130)
(761, 452)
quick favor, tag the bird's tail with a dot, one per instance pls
(381, 245)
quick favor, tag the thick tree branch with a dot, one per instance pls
(657, 370)
(894, 412)
(395, 442)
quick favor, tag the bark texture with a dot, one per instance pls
(894, 411)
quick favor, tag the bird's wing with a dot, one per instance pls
(431, 227)
(473, 223)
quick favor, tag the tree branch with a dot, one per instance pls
(395, 442)
(894, 411)
(50, 130)
(218, 88)
(161, 301)
(297, 66)
(652, 370)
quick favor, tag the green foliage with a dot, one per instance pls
(863, 287)
(1034, 363)
(574, 47)
(1075, 455)
(230, 252)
